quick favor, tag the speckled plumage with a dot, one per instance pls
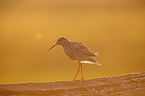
(77, 51)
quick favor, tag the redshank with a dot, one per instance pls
(77, 51)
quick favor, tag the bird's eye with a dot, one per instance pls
(59, 41)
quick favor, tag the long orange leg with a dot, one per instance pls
(81, 71)
(77, 72)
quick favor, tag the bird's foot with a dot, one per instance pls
(81, 79)
(73, 80)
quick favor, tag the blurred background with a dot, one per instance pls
(28, 28)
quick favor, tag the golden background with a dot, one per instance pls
(28, 28)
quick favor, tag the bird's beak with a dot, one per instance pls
(52, 47)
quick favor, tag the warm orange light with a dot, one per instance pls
(113, 28)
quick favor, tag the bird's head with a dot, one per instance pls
(61, 41)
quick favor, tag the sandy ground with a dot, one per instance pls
(125, 85)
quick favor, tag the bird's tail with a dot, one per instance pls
(97, 62)
(96, 54)
(91, 61)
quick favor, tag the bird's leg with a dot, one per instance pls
(81, 71)
(77, 72)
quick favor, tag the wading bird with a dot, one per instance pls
(77, 51)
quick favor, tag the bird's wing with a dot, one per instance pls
(83, 49)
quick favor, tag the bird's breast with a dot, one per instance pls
(69, 51)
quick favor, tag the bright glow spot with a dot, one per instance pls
(38, 35)
(89, 62)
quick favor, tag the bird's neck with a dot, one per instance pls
(66, 43)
